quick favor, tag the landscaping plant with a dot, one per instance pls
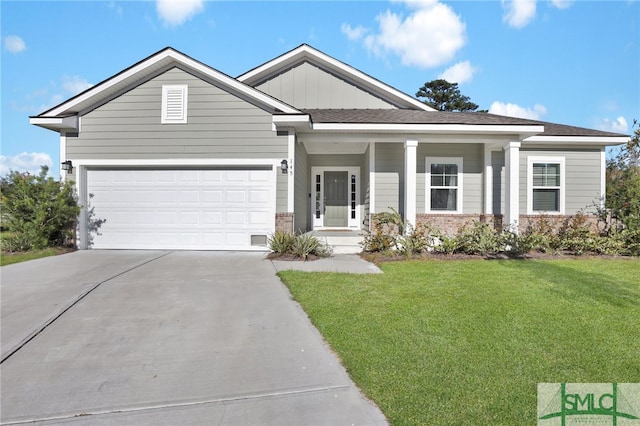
(37, 211)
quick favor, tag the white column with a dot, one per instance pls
(82, 237)
(63, 155)
(410, 148)
(372, 177)
(603, 176)
(290, 178)
(488, 180)
(512, 184)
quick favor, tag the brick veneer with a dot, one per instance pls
(284, 222)
(451, 224)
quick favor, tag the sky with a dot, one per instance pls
(573, 62)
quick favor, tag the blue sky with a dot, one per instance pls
(571, 62)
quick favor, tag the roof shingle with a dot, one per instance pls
(407, 116)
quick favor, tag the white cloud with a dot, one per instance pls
(24, 162)
(562, 4)
(14, 44)
(44, 98)
(353, 34)
(462, 72)
(513, 110)
(519, 13)
(430, 36)
(176, 12)
(619, 125)
(74, 84)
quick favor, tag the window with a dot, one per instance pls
(444, 185)
(174, 104)
(546, 185)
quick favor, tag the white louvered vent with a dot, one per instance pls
(174, 104)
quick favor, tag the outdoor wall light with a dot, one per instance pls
(284, 166)
(68, 166)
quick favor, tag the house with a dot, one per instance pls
(173, 154)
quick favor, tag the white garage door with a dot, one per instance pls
(181, 209)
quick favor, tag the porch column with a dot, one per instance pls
(512, 185)
(410, 148)
(488, 180)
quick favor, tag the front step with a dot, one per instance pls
(342, 242)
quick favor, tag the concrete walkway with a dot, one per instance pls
(346, 263)
(117, 337)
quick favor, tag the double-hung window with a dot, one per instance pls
(545, 185)
(444, 185)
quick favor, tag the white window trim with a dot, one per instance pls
(544, 159)
(185, 97)
(459, 161)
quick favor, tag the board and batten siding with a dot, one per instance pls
(219, 125)
(582, 177)
(306, 86)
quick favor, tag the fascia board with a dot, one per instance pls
(577, 140)
(432, 128)
(140, 68)
(56, 123)
(309, 52)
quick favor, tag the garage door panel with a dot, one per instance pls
(181, 209)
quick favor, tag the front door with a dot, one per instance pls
(336, 194)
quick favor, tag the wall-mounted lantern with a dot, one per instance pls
(284, 166)
(68, 166)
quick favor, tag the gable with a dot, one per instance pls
(307, 86)
(217, 124)
(354, 79)
(57, 118)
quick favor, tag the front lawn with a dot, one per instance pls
(466, 342)
(9, 258)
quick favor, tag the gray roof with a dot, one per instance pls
(406, 116)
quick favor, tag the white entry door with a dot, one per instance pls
(335, 197)
(232, 209)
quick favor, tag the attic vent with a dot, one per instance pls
(174, 104)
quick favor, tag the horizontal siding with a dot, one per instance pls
(472, 169)
(220, 125)
(307, 86)
(302, 188)
(497, 164)
(582, 180)
(389, 177)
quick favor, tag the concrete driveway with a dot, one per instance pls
(149, 337)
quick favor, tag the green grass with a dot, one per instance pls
(9, 258)
(467, 342)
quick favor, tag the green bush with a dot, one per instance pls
(281, 242)
(299, 245)
(38, 211)
(480, 238)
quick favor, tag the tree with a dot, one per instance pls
(445, 96)
(38, 211)
(623, 183)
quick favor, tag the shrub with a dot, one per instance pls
(38, 211)
(445, 244)
(281, 242)
(378, 241)
(480, 238)
(299, 245)
(415, 241)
